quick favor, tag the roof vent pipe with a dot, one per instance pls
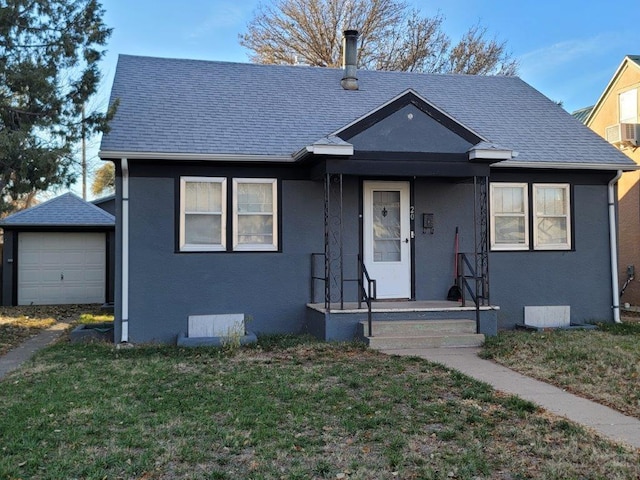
(350, 60)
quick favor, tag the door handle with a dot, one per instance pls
(406, 240)
(61, 275)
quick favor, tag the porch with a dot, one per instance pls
(357, 289)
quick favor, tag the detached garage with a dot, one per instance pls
(58, 252)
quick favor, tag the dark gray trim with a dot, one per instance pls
(229, 225)
(407, 168)
(404, 100)
(531, 218)
(14, 276)
(412, 235)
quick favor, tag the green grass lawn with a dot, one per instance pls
(290, 408)
(602, 365)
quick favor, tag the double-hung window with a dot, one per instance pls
(509, 212)
(629, 106)
(248, 218)
(550, 218)
(551, 222)
(203, 213)
(255, 214)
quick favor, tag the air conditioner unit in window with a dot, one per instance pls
(623, 134)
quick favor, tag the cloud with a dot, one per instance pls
(222, 16)
(566, 54)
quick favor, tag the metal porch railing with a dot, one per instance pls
(477, 286)
(365, 295)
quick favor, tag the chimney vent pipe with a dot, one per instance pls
(350, 60)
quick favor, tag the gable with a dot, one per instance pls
(606, 111)
(409, 129)
(409, 123)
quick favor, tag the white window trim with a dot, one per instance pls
(252, 247)
(525, 198)
(187, 247)
(628, 99)
(553, 246)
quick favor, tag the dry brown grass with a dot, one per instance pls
(18, 324)
(602, 365)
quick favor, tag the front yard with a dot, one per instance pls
(602, 365)
(289, 408)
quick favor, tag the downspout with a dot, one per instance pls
(124, 338)
(613, 246)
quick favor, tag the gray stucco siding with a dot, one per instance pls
(451, 204)
(580, 278)
(166, 286)
(272, 288)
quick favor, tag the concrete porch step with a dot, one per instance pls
(421, 334)
(399, 328)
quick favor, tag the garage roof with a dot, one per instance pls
(67, 210)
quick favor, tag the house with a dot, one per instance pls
(616, 118)
(288, 194)
(58, 252)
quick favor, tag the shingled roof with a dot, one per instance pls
(203, 108)
(67, 210)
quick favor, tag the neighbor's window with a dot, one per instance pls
(629, 106)
(255, 210)
(509, 212)
(551, 222)
(202, 213)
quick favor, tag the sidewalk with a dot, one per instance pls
(22, 353)
(606, 421)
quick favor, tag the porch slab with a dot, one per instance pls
(336, 324)
(400, 306)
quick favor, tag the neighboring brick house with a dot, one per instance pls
(616, 118)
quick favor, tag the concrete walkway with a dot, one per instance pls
(604, 420)
(22, 353)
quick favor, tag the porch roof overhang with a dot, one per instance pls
(402, 164)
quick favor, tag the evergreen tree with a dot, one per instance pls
(49, 54)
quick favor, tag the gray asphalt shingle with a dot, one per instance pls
(204, 107)
(65, 210)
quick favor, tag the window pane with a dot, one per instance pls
(255, 197)
(629, 106)
(203, 229)
(255, 229)
(508, 200)
(552, 231)
(550, 201)
(386, 226)
(203, 197)
(509, 230)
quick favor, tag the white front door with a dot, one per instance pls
(386, 241)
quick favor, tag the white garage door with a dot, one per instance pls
(59, 268)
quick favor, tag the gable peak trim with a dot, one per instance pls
(628, 59)
(409, 96)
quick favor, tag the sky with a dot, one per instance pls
(567, 49)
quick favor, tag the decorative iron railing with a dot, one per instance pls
(365, 294)
(476, 285)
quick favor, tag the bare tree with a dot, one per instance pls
(476, 55)
(392, 37)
